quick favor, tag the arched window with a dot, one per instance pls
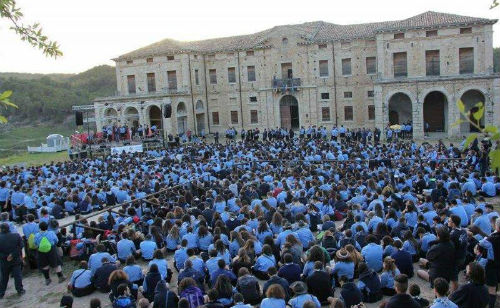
(284, 41)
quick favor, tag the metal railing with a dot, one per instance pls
(286, 83)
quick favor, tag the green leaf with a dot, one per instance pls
(3, 119)
(5, 95)
(478, 114)
(469, 139)
(491, 129)
(8, 103)
(457, 122)
(495, 137)
(495, 159)
(461, 106)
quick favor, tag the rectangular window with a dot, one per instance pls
(323, 68)
(346, 67)
(249, 53)
(149, 60)
(215, 118)
(400, 65)
(325, 95)
(371, 112)
(211, 57)
(398, 36)
(466, 30)
(170, 58)
(348, 114)
(231, 74)
(254, 117)
(212, 73)
(431, 33)
(151, 82)
(371, 65)
(325, 114)
(370, 93)
(251, 73)
(466, 60)
(348, 94)
(322, 46)
(172, 80)
(234, 117)
(131, 84)
(130, 61)
(432, 63)
(253, 99)
(196, 78)
(286, 70)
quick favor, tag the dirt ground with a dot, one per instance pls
(41, 296)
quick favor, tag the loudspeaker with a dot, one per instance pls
(167, 111)
(79, 118)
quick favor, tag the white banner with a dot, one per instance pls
(127, 149)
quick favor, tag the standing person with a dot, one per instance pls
(47, 254)
(10, 259)
(493, 268)
(216, 137)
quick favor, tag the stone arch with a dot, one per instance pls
(435, 111)
(400, 109)
(110, 115)
(470, 98)
(155, 116)
(289, 112)
(131, 116)
(181, 115)
(200, 117)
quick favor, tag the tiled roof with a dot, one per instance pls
(312, 32)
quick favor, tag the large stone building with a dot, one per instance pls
(315, 73)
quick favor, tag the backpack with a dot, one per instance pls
(31, 241)
(45, 245)
(194, 296)
(123, 302)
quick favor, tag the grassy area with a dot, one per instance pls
(33, 159)
(15, 139)
(14, 142)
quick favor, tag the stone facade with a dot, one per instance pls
(311, 74)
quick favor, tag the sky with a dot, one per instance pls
(92, 32)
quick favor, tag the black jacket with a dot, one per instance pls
(101, 276)
(319, 284)
(351, 294)
(402, 301)
(372, 282)
(439, 255)
(12, 244)
(164, 298)
(278, 280)
(151, 280)
(471, 295)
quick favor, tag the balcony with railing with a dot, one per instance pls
(286, 84)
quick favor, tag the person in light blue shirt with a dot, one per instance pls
(205, 238)
(425, 239)
(80, 282)
(482, 221)
(191, 238)
(172, 240)
(264, 262)
(344, 266)
(133, 271)
(299, 288)
(95, 260)
(387, 277)
(31, 227)
(211, 263)
(305, 235)
(373, 253)
(488, 189)
(275, 297)
(162, 264)
(125, 248)
(180, 256)
(441, 288)
(148, 247)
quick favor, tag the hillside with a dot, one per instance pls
(48, 98)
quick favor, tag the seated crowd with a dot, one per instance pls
(300, 222)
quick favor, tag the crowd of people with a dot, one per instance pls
(335, 219)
